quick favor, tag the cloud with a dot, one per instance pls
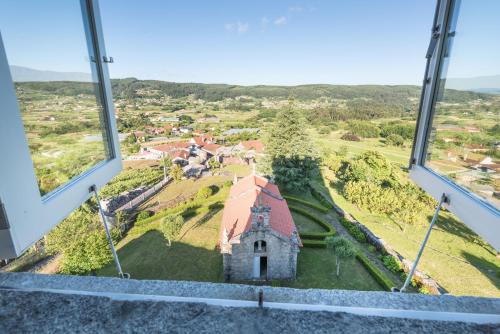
(240, 27)
(280, 21)
(295, 9)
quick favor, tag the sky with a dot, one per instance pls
(242, 42)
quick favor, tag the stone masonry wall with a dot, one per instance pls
(281, 256)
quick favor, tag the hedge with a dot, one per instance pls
(320, 197)
(314, 243)
(379, 276)
(330, 230)
(353, 230)
(306, 203)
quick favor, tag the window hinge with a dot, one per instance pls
(434, 39)
(108, 60)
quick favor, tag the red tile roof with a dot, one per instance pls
(203, 140)
(256, 145)
(244, 194)
(180, 154)
(211, 148)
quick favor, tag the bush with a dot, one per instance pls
(333, 162)
(392, 264)
(372, 249)
(143, 215)
(395, 140)
(364, 129)
(324, 130)
(350, 137)
(320, 197)
(314, 235)
(86, 254)
(204, 193)
(227, 184)
(353, 230)
(306, 203)
(378, 275)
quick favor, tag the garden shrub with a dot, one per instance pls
(204, 192)
(392, 264)
(372, 249)
(143, 215)
(306, 203)
(353, 230)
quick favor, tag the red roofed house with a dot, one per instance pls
(254, 145)
(201, 141)
(258, 239)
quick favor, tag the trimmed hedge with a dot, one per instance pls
(314, 243)
(330, 230)
(306, 203)
(379, 276)
(353, 230)
(320, 197)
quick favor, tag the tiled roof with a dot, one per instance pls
(212, 148)
(181, 154)
(256, 145)
(245, 194)
(203, 140)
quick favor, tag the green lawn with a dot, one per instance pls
(305, 224)
(316, 269)
(193, 256)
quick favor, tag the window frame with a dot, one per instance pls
(481, 216)
(26, 215)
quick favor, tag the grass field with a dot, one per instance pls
(455, 256)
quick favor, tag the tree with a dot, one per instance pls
(87, 254)
(176, 172)
(167, 164)
(213, 163)
(342, 249)
(170, 227)
(291, 159)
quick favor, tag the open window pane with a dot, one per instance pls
(465, 136)
(53, 64)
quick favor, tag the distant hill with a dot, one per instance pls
(25, 74)
(483, 84)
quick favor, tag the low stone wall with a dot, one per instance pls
(383, 247)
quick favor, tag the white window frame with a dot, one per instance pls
(481, 216)
(25, 215)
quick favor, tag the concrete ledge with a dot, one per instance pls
(368, 299)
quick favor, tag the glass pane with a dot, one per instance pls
(464, 143)
(52, 62)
